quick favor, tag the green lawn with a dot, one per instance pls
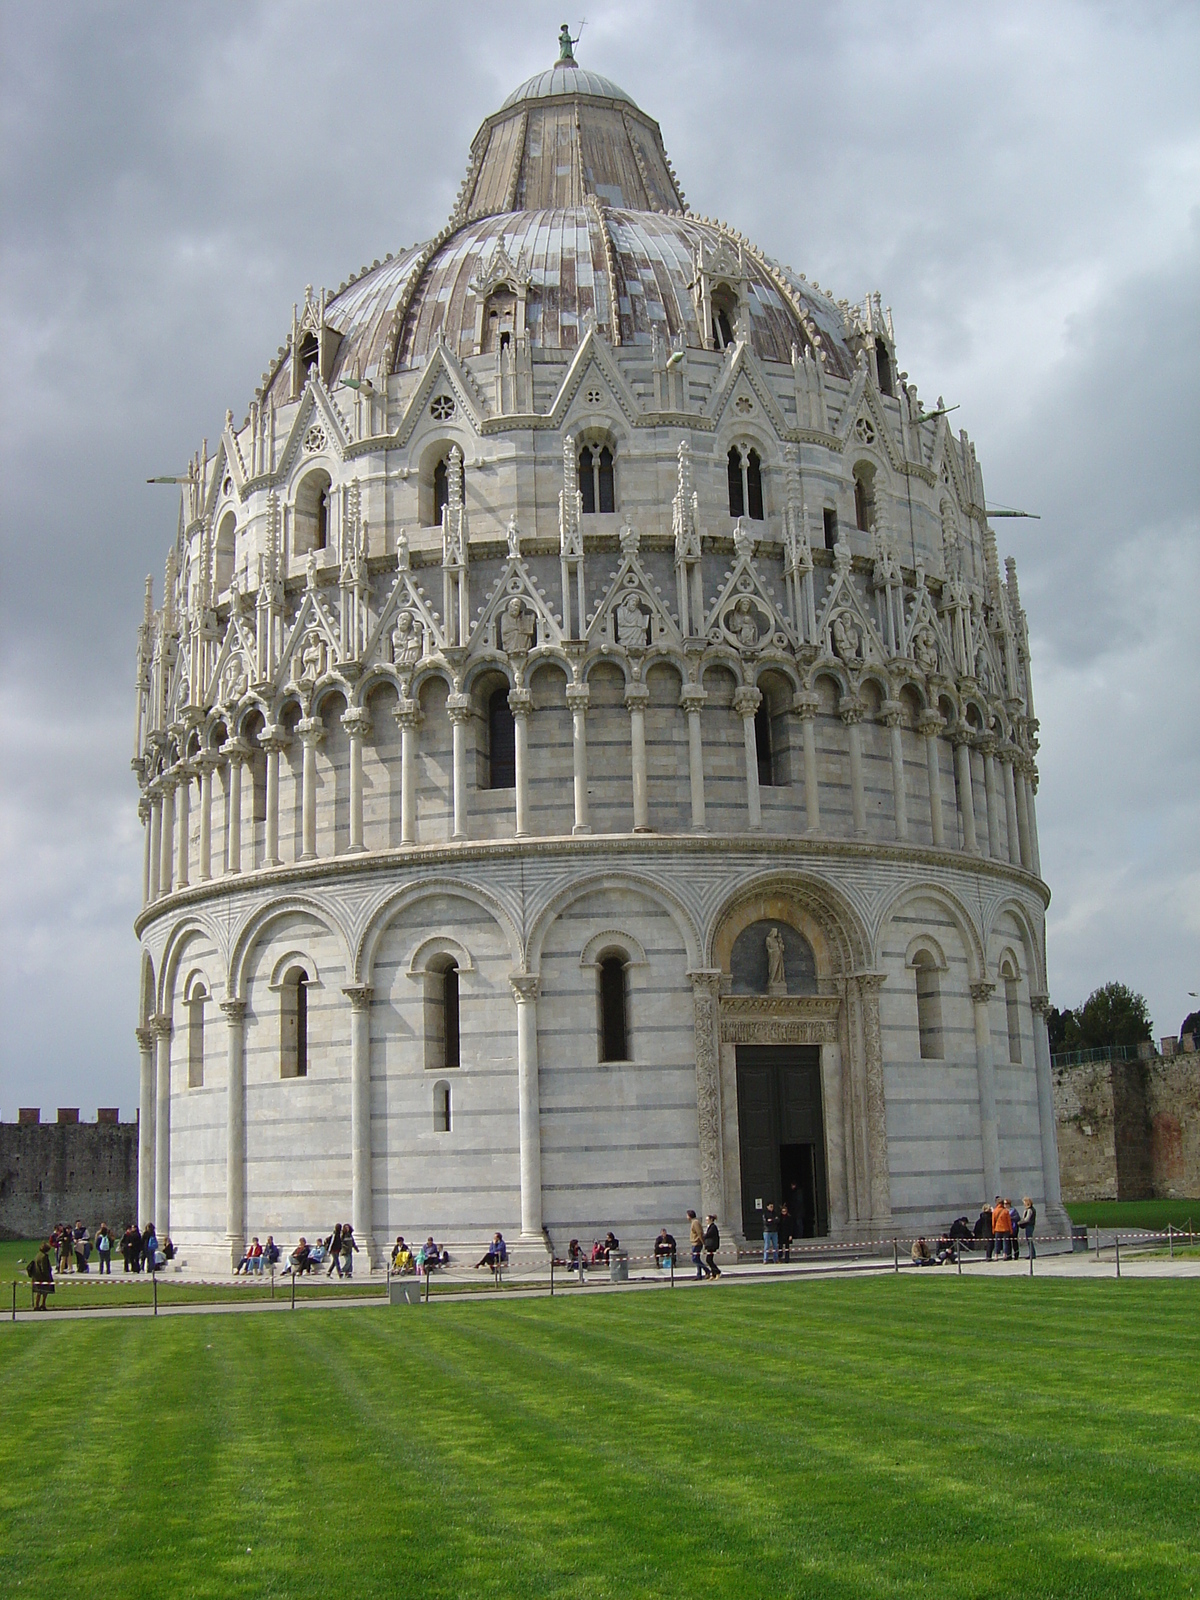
(1135, 1214)
(893, 1436)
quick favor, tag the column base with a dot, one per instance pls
(272, 861)
(580, 828)
(356, 850)
(237, 1249)
(307, 855)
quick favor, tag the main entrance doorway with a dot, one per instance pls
(781, 1136)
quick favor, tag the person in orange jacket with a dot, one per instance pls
(1002, 1228)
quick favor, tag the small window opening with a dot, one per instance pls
(883, 365)
(614, 1021)
(293, 1032)
(502, 742)
(763, 745)
(1012, 1007)
(441, 490)
(196, 1037)
(724, 316)
(754, 494)
(308, 352)
(737, 497)
(442, 1050)
(441, 1107)
(929, 1007)
(587, 480)
(864, 497)
(450, 1013)
(831, 528)
(597, 480)
(322, 537)
(745, 484)
(606, 488)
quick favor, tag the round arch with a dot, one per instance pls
(958, 913)
(363, 962)
(658, 893)
(839, 939)
(258, 923)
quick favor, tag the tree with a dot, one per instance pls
(1113, 1015)
(1063, 1028)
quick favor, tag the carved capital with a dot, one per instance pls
(805, 706)
(1039, 1004)
(458, 706)
(407, 714)
(520, 702)
(359, 995)
(870, 982)
(891, 713)
(692, 697)
(961, 736)
(746, 702)
(161, 1025)
(525, 986)
(981, 993)
(145, 1038)
(636, 697)
(706, 980)
(578, 696)
(311, 730)
(850, 709)
(930, 722)
(235, 1011)
(236, 750)
(357, 721)
(274, 738)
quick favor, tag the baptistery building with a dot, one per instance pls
(586, 750)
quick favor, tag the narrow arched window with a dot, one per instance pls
(929, 1006)
(724, 316)
(864, 497)
(441, 1015)
(322, 536)
(441, 490)
(450, 1013)
(1012, 1008)
(614, 1010)
(441, 1107)
(764, 744)
(293, 1024)
(196, 1037)
(502, 742)
(737, 495)
(883, 365)
(225, 553)
(308, 352)
(587, 479)
(831, 528)
(606, 496)
(754, 494)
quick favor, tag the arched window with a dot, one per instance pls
(597, 482)
(308, 352)
(499, 319)
(929, 1006)
(765, 745)
(883, 365)
(724, 317)
(441, 490)
(224, 554)
(502, 742)
(614, 1010)
(831, 528)
(441, 1015)
(864, 496)
(441, 1107)
(311, 531)
(196, 1036)
(1012, 1009)
(293, 1024)
(745, 484)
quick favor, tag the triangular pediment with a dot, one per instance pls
(443, 370)
(631, 594)
(594, 357)
(925, 640)
(746, 616)
(864, 421)
(742, 378)
(845, 627)
(233, 670)
(420, 637)
(515, 632)
(318, 426)
(312, 647)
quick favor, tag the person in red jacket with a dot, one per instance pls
(1002, 1228)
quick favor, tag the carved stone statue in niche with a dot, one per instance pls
(406, 641)
(925, 650)
(632, 622)
(742, 624)
(312, 657)
(846, 637)
(514, 537)
(235, 679)
(517, 628)
(776, 975)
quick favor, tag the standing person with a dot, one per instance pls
(335, 1252)
(983, 1228)
(128, 1247)
(1002, 1229)
(576, 1258)
(104, 1250)
(1014, 1220)
(770, 1234)
(1029, 1223)
(41, 1276)
(348, 1249)
(150, 1248)
(696, 1239)
(82, 1246)
(787, 1231)
(712, 1243)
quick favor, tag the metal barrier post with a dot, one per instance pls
(958, 1255)
(14, 1317)
(428, 1276)
(895, 1256)
(1031, 1258)
(293, 1288)
(1097, 1241)
(1170, 1242)
(672, 1269)
(1117, 1248)
(154, 1280)
(272, 1280)
(552, 1274)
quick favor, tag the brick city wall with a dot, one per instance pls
(58, 1171)
(1129, 1130)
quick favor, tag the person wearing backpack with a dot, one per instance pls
(712, 1243)
(104, 1249)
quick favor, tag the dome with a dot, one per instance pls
(566, 78)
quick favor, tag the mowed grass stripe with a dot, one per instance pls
(882, 1437)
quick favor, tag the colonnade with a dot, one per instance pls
(167, 801)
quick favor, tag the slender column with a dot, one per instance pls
(362, 1202)
(357, 725)
(893, 716)
(1023, 815)
(525, 991)
(869, 985)
(991, 799)
(981, 994)
(408, 716)
(636, 696)
(162, 1128)
(274, 741)
(206, 778)
(167, 861)
(692, 698)
(850, 710)
(746, 702)
(1045, 1089)
(311, 731)
(146, 1112)
(236, 751)
(835, 1137)
(183, 805)
(235, 1128)
(459, 707)
(706, 1012)
(1035, 855)
(155, 849)
(966, 794)
(146, 815)
(521, 703)
(805, 707)
(578, 695)
(930, 725)
(1010, 807)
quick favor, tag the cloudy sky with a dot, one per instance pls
(1022, 182)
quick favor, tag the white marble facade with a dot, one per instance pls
(582, 586)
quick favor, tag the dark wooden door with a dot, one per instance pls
(779, 1116)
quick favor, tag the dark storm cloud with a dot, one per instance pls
(1022, 183)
